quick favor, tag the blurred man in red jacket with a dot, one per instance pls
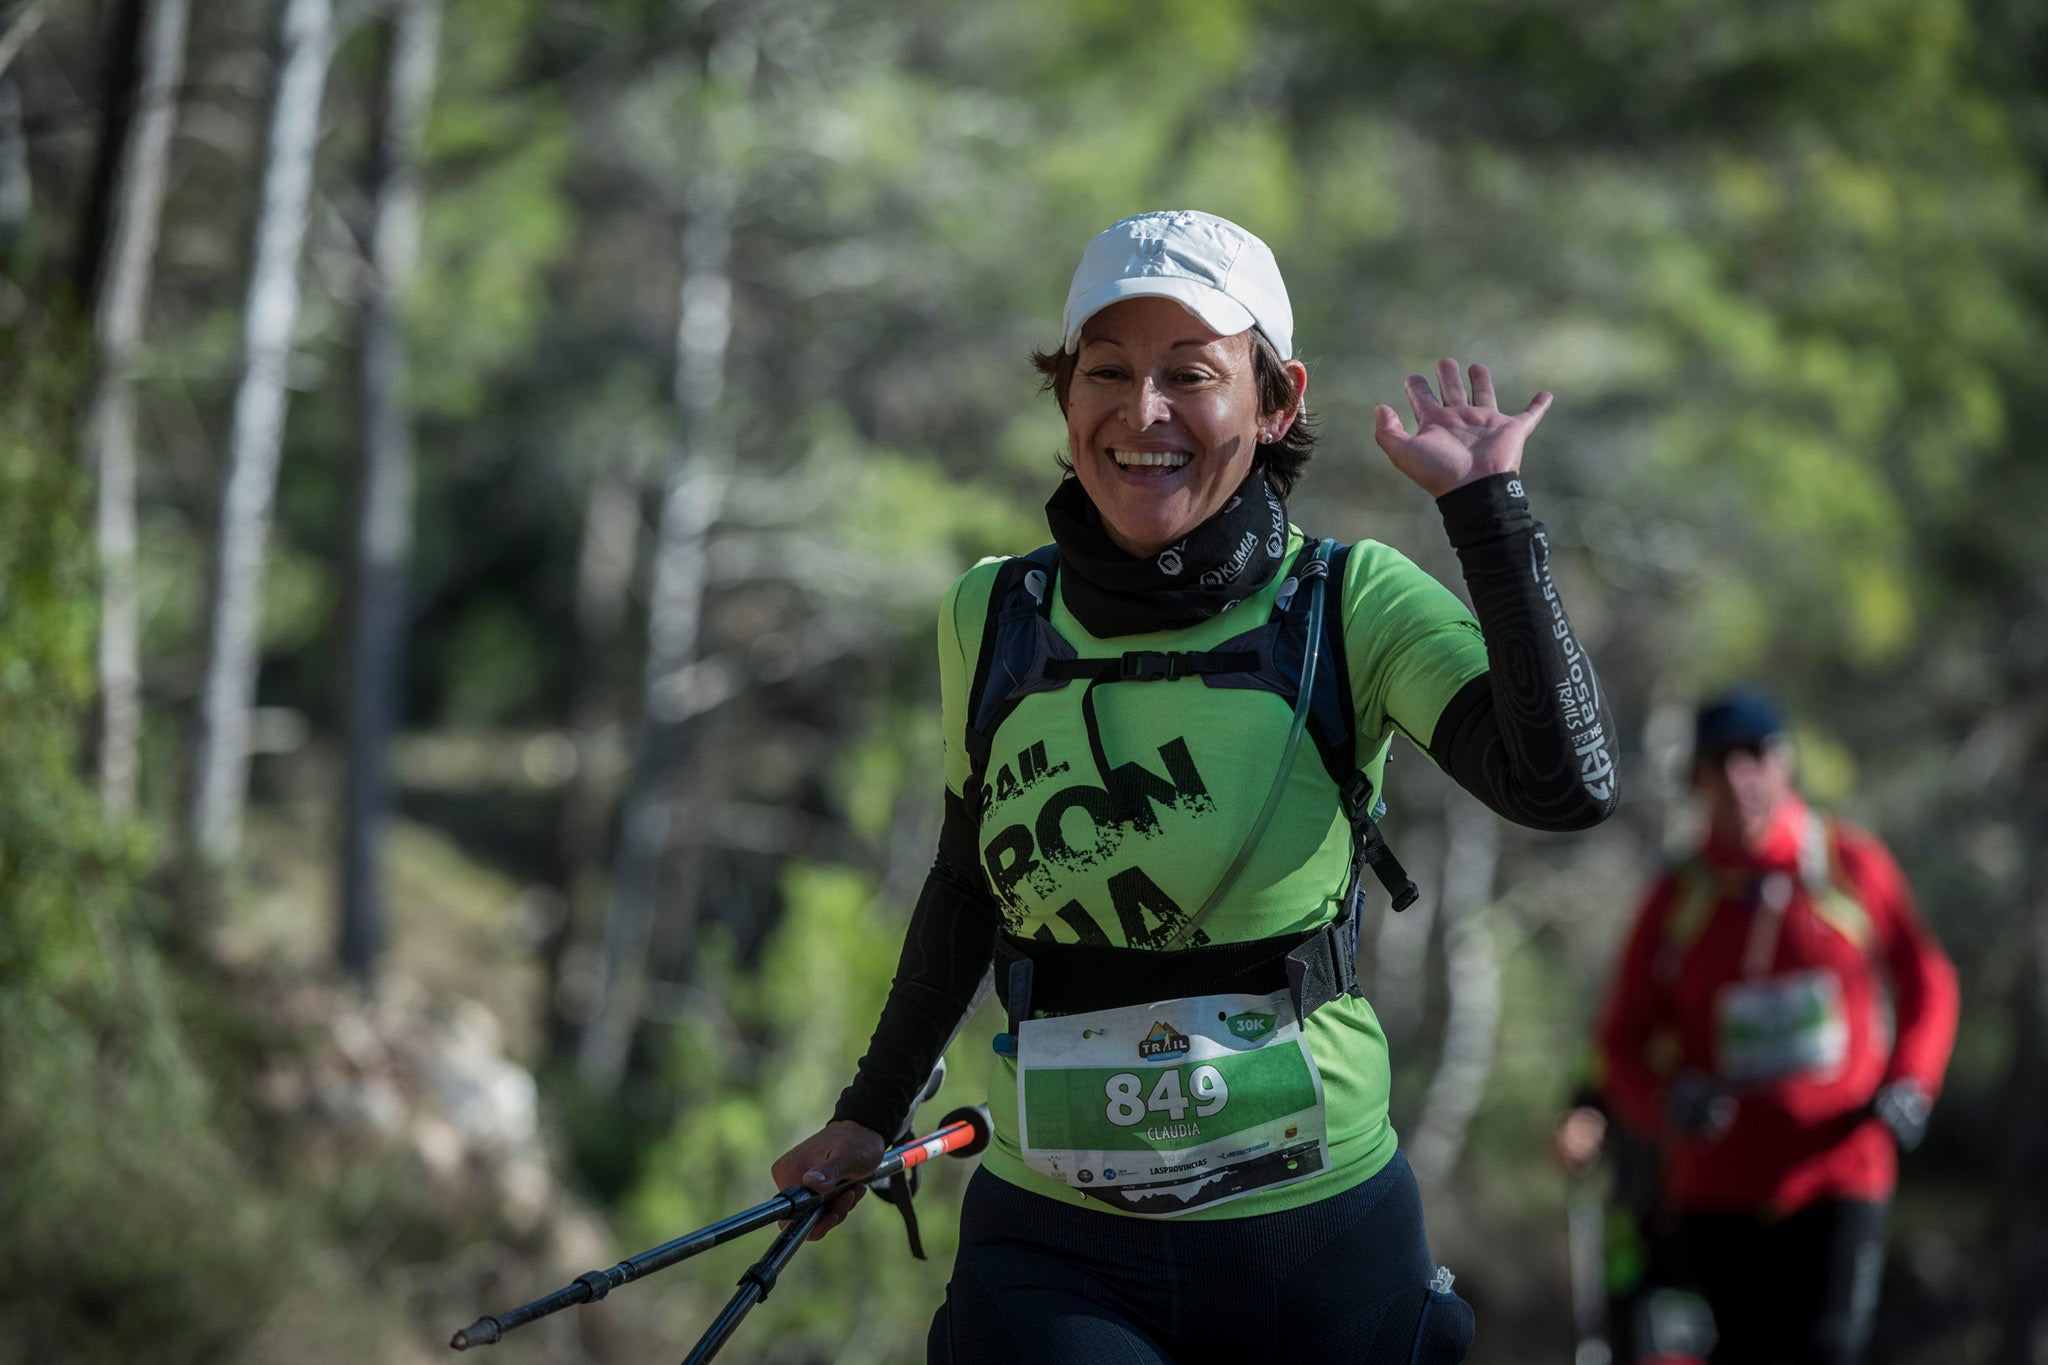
(1780, 1021)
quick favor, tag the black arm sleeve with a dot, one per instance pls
(1532, 737)
(945, 955)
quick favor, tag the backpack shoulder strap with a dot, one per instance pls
(1332, 718)
(1834, 899)
(1022, 591)
(1695, 889)
(1280, 643)
(1332, 723)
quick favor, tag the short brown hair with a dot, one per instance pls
(1285, 459)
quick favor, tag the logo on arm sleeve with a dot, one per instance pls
(1578, 694)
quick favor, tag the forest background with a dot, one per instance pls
(475, 482)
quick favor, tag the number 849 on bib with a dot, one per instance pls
(1131, 1102)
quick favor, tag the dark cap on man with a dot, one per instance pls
(1745, 717)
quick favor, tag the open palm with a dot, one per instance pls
(1459, 439)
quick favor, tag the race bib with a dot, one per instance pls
(1159, 1109)
(1781, 1026)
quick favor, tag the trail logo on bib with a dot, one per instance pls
(1163, 1041)
(1249, 1026)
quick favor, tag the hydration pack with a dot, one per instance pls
(1021, 655)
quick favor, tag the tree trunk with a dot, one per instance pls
(696, 485)
(383, 549)
(1472, 989)
(142, 171)
(604, 580)
(17, 196)
(121, 27)
(257, 434)
(21, 26)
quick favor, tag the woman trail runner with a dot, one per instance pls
(1192, 1158)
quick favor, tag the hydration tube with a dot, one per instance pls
(1314, 583)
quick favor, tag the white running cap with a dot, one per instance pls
(1208, 265)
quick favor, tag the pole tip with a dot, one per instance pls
(482, 1332)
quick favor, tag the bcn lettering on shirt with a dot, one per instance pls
(1035, 857)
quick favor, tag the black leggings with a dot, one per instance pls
(1801, 1289)
(1343, 1279)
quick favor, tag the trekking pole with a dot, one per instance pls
(754, 1286)
(760, 1276)
(1586, 1243)
(1585, 1150)
(962, 1133)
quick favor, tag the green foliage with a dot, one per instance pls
(500, 664)
(135, 1226)
(127, 1210)
(495, 220)
(125, 1207)
(51, 839)
(761, 1072)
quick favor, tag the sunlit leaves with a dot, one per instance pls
(497, 150)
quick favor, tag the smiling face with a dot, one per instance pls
(1163, 419)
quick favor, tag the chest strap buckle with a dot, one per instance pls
(1148, 665)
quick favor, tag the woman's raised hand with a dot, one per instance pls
(841, 1150)
(1460, 439)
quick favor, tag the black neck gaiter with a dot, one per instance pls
(1214, 567)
